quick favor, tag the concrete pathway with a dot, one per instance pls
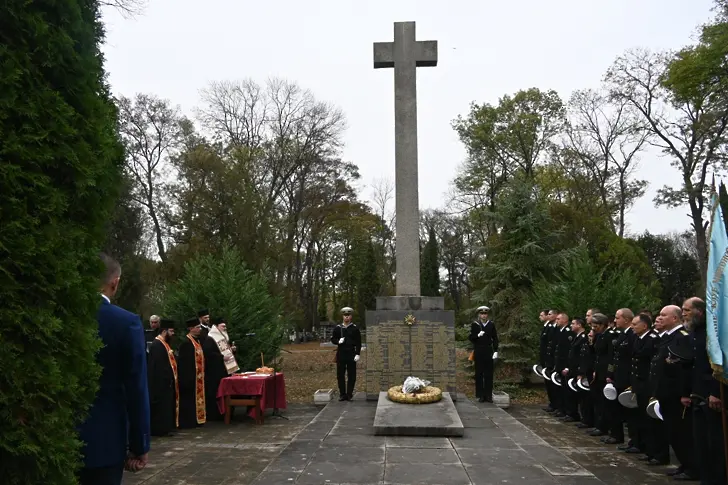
(337, 446)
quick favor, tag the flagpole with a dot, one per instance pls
(725, 428)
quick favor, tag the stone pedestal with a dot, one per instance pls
(396, 349)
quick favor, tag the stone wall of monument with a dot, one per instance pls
(395, 350)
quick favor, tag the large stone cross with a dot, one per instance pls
(405, 54)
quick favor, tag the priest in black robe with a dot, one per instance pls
(215, 369)
(191, 363)
(163, 382)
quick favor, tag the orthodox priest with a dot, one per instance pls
(219, 362)
(163, 382)
(191, 363)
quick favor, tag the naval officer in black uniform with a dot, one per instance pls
(347, 338)
(485, 341)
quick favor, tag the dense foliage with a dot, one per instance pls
(224, 285)
(59, 166)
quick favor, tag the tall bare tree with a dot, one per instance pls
(151, 131)
(606, 136)
(688, 118)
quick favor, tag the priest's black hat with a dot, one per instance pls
(192, 322)
(219, 320)
(203, 312)
(166, 324)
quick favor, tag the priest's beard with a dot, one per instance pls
(167, 338)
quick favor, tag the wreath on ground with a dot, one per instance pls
(414, 391)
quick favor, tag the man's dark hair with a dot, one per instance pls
(112, 269)
(545, 312)
(595, 310)
(645, 318)
(646, 312)
(580, 321)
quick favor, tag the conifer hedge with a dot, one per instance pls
(59, 165)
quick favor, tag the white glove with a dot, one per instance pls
(495, 355)
(356, 358)
(481, 333)
(341, 340)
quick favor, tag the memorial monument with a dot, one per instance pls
(408, 334)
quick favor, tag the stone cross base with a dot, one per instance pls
(397, 349)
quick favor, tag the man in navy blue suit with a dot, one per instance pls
(116, 432)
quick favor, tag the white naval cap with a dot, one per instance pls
(483, 308)
(347, 310)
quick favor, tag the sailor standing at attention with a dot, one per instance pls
(485, 341)
(347, 338)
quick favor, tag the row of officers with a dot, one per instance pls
(656, 379)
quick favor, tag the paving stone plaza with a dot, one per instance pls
(337, 445)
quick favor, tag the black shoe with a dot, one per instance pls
(482, 399)
(582, 426)
(569, 419)
(613, 441)
(548, 409)
(676, 471)
(645, 458)
(343, 397)
(655, 462)
(633, 450)
(350, 397)
(597, 432)
(559, 415)
(684, 477)
(624, 447)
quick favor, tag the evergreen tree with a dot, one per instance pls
(368, 282)
(430, 267)
(224, 285)
(60, 161)
(523, 250)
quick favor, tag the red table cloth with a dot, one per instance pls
(253, 385)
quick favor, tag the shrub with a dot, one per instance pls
(227, 288)
(59, 167)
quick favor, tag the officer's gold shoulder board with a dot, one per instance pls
(683, 332)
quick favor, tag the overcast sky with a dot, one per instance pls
(487, 49)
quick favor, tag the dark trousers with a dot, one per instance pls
(484, 374)
(549, 392)
(679, 424)
(641, 422)
(601, 411)
(708, 439)
(586, 407)
(108, 475)
(555, 396)
(658, 444)
(616, 419)
(571, 400)
(346, 367)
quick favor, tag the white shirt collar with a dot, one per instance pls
(647, 332)
(678, 327)
(662, 333)
(105, 298)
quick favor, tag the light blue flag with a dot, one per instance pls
(716, 299)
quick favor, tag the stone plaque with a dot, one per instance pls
(396, 349)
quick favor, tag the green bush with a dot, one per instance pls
(59, 168)
(581, 285)
(227, 288)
